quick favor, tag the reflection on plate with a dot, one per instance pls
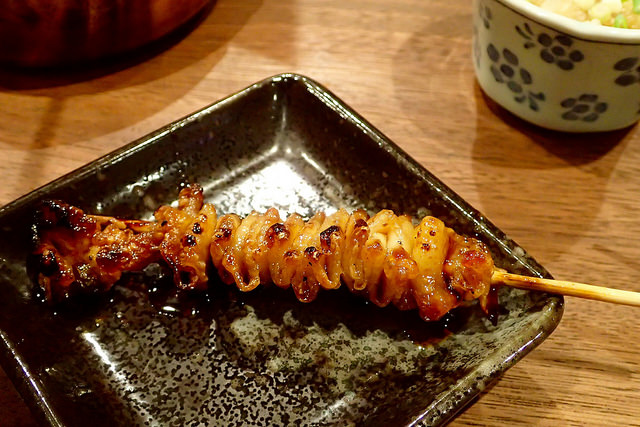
(142, 355)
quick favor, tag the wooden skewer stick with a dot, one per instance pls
(580, 290)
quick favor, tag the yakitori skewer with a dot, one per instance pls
(573, 289)
(385, 258)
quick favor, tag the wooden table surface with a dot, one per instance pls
(571, 201)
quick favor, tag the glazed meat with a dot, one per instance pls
(75, 252)
(385, 258)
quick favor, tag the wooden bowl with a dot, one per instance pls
(56, 32)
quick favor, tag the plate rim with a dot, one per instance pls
(31, 389)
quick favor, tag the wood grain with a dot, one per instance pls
(571, 201)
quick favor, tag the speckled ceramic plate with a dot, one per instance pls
(144, 356)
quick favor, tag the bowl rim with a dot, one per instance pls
(578, 29)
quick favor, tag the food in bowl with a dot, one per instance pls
(615, 13)
(556, 72)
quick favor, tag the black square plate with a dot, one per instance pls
(139, 355)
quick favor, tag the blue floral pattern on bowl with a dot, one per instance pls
(485, 14)
(553, 49)
(550, 75)
(585, 107)
(630, 71)
(505, 69)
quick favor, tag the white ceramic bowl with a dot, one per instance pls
(556, 72)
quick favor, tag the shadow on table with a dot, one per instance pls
(572, 148)
(512, 164)
(60, 100)
(36, 81)
(568, 173)
(527, 401)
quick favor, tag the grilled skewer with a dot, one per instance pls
(385, 258)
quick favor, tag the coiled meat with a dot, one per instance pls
(385, 258)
